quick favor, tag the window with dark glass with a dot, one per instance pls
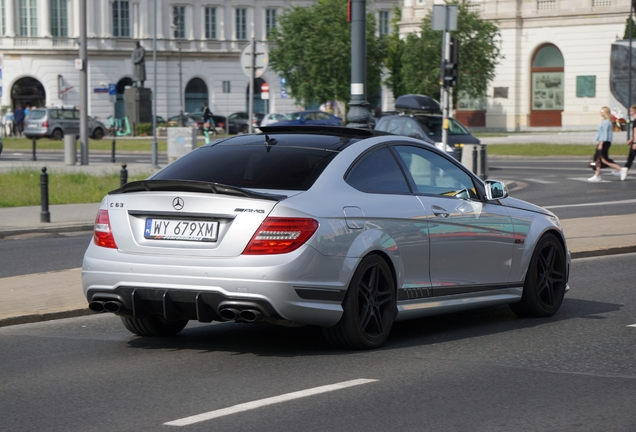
(59, 18)
(210, 23)
(121, 18)
(28, 18)
(378, 172)
(178, 22)
(241, 23)
(270, 21)
(383, 25)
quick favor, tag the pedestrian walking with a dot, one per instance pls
(632, 144)
(18, 120)
(9, 122)
(604, 139)
(208, 121)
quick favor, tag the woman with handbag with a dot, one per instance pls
(604, 139)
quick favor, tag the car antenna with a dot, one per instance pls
(269, 142)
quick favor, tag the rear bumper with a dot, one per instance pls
(304, 286)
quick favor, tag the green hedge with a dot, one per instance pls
(143, 129)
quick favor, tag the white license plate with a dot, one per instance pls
(190, 230)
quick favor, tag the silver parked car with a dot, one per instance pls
(341, 228)
(54, 123)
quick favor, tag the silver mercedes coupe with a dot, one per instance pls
(341, 228)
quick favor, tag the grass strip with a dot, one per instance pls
(539, 150)
(21, 187)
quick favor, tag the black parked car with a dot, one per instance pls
(239, 122)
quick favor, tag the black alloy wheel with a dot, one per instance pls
(545, 282)
(98, 134)
(153, 326)
(369, 307)
(57, 135)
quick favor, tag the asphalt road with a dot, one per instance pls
(481, 371)
(560, 184)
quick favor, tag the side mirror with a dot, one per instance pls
(495, 190)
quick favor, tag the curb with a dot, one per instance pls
(47, 230)
(604, 252)
(28, 319)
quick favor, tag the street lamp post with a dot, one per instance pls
(358, 115)
(155, 146)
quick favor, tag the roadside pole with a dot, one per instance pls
(444, 18)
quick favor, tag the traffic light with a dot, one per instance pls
(448, 75)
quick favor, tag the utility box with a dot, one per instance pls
(181, 140)
(70, 149)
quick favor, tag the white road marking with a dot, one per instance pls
(605, 203)
(540, 181)
(267, 401)
(632, 325)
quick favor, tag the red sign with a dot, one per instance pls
(264, 88)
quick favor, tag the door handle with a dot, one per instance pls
(440, 212)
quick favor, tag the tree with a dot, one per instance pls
(311, 48)
(394, 57)
(479, 54)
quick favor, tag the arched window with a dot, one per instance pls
(547, 87)
(28, 92)
(196, 93)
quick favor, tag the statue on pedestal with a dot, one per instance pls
(139, 66)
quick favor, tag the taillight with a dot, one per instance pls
(45, 124)
(102, 234)
(280, 235)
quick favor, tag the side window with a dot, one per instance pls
(411, 129)
(378, 172)
(395, 125)
(76, 115)
(322, 116)
(54, 114)
(232, 116)
(435, 175)
(455, 128)
(67, 115)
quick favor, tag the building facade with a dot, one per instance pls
(199, 43)
(555, 71)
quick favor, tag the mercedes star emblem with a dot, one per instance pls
(178, 203)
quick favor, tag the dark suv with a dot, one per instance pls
(417, 117)
(54, 123)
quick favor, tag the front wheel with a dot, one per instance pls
(545, 283)
(153, 326)
(369, 307)
(57, 135)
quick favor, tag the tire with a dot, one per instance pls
(153, 326)
(98, 134)
(369, 307)
(544, 287)
(57, 135)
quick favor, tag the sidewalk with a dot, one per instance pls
(53, 295)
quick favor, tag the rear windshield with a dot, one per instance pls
(252, 165)
(36, 114)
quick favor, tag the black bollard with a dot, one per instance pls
(123, 175)
(458, 152)
(45, 216)
(484, 166)
(475, 160)
(112, 154)
(33, 140)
